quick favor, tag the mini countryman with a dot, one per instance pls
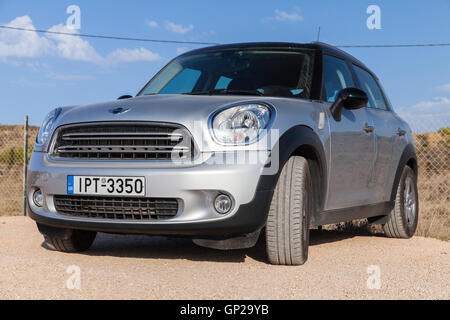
(224, 145)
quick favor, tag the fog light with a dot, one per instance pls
(38, 199)
(223, 204)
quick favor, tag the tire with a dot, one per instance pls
(403, 219)
(287, 228)
(67, 240)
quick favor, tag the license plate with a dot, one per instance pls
(111, 186)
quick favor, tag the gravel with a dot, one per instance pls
(142, 267)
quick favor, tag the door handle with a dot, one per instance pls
(401, 132)
(369, 129)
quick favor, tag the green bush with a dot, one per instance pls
(13, 156)
(444, 131)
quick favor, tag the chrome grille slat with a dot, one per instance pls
(119, 151)
(149, 134)
(124, 141)
(116, 208)
(81, 138)
(121, 147)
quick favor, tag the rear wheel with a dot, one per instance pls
(67, 240)
(287, 229)
(402, 220)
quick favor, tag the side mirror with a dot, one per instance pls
(127, 96)
(350, 99)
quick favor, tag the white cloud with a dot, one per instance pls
(22, 44)
(178, 28)
(427, 116)
(281, 16)
(444, 87)
(28, 44)
(132, 55)
(437, 106)
(68, 77)
(73, 47)
(153, 24)
(182, 50)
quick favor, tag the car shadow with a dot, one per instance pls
(146, 247)
(318, 237)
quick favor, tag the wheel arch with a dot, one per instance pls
(408, 158)
(301, 141)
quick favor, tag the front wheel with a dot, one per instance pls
(402, 220)
(287, 228)
(67, 240)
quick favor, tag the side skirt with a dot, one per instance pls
(349, 214)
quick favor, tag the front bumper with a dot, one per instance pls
(195, 186)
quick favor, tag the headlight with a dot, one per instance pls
(47, 126)
(242, 124)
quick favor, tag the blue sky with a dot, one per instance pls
(39, 72)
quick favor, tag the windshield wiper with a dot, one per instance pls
(226, 91)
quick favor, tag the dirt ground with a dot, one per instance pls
(141, 267)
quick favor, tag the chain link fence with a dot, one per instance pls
(432, 135)
(433, 153)
(12, 166)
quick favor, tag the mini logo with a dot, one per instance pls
(119, 110)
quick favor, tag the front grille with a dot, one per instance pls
(115, 208)
(124, 141)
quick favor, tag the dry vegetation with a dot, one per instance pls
(433, 151)
(11, 167)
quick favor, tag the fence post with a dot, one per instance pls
(25, 165)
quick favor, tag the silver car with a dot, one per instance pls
(225, 144)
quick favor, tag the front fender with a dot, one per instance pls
(301, 140)
(408, 157)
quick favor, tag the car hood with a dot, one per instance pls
(191, 111)
(159, 108)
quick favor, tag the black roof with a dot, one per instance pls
(321, 46)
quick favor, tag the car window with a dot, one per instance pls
(368, 84)
(279, 73)
(337, 76)
(184, 81)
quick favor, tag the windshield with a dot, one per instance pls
(255, 72)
